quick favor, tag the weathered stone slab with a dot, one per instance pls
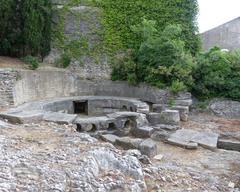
(154, 118)
(148, 147)
(183, 102)
(183, 111)
(22, 117)
(225, 108)
(228, 144)
(128, 143)
(185, 136)
(109, 138)
(182, 143)
(60, 118)
(171, 117)
(161, 135)
(142, 132)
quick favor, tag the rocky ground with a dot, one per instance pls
(51, 157)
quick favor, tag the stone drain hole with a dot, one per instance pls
(111, 127)
(129, 124)
(124, 108)
(79, 128)
(80, 107)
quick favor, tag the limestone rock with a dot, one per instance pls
(128, 143)
(171, 117)
(148, 147)
(225, 108)
(186, 136)
(142, 132)
(109, 138)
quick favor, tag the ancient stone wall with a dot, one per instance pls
(7, 83)
(38, 85)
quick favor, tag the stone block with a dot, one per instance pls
(60, 118)
(109, 138)
(228, 145)
(183, 102)
(182, 143)
(171, 117)
(128, 143)
(154, 118)
(186, 136)
(23, 116)
(183, 111)
(142, 132)
(148, 147)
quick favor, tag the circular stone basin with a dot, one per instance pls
(89, 113)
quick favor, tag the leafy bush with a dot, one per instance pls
(64, 61)
(160, 60)
(217, 74)
(33, 62)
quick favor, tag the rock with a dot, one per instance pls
(148, 147)
(142, 132)
(228, 144)
(158, 157)
(109, 138)
(182, 143)
(171, 117)
(60, 118)
(158, 108)
(21, 117)
(128, 143)
(167, 127)
(161, 135)
(136, 153)
(154, 118)
(225, 108)
(186, 136)
(183, 102)
(183, 111)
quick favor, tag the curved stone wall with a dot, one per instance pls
(40, 85)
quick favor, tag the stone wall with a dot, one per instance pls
(7, 83)
(82, 24)
(226, 36)
(39, 85)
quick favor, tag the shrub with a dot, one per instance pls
(64, 61)
(217, 74)
(33, 62)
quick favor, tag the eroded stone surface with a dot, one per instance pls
(189, 137)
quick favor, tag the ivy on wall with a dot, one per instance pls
(120, 15)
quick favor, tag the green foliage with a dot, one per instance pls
(33, 62)
(160, 60)
(25, 27)
(120, 15)
(64, 61)
(217, 74)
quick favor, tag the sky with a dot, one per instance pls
(216, 12)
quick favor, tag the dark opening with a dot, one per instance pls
(94, 128)
(124, 108)
(80, 107)
(132, 110)
(150, 104)
(79, 128)
(111, 127)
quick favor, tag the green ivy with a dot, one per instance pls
(120, 15)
